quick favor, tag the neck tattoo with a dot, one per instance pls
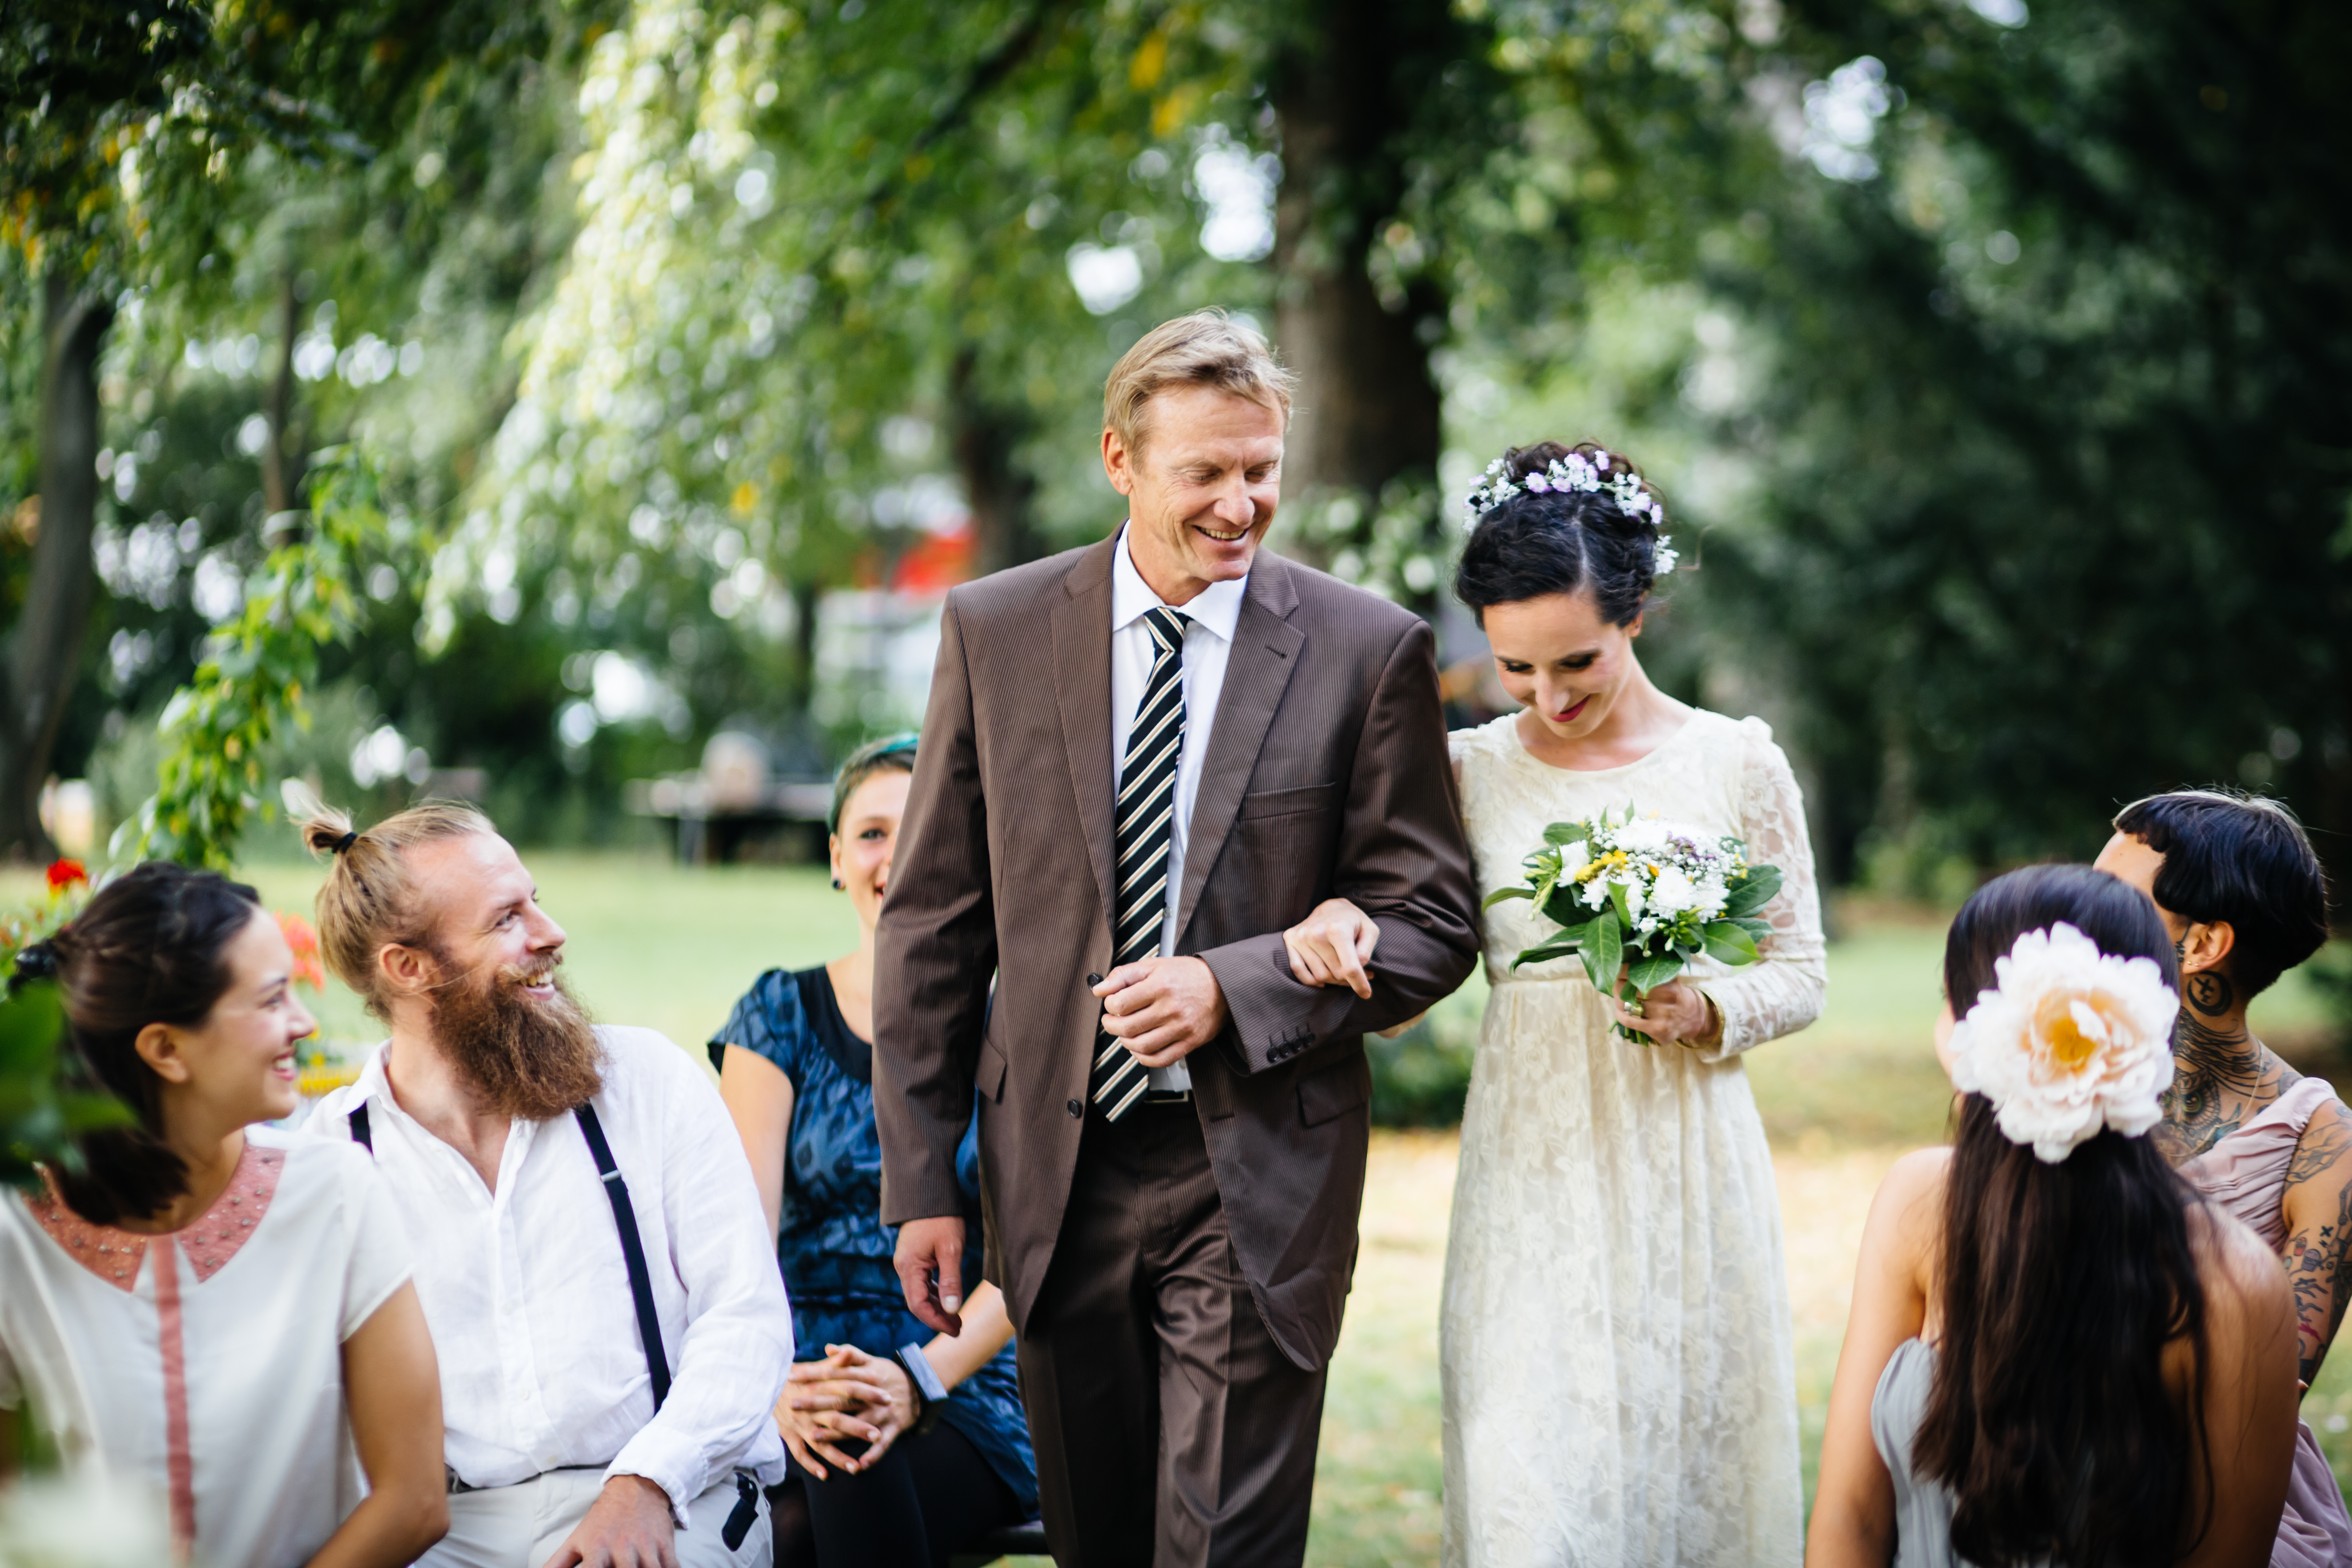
(2222, 1076)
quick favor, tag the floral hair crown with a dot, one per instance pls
(2069, 1041)
(1576, 473)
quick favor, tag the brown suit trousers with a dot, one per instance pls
(1327, 774)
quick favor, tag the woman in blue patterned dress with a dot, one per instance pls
(886, 1473)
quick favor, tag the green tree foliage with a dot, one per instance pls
(2053, 446)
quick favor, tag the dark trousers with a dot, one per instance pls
(931, 1495)
(1169, 1428)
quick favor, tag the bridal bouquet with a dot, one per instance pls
(1646, 896)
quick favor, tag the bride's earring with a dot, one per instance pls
(837, 885)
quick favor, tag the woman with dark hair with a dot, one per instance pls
(2058, 1351)
(225, 1313)
(906, 1447)
(1620, 1378)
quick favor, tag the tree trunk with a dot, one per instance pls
(984, 435)
(47, 653)
(281, 454)
(1368, 409)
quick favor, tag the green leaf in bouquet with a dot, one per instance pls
(1604, 949)
(1499, 894)
(1560, 833)
(1546, 952)
(1757, 929)
(1727, 943)
(1754, 891)
(1563, 905)
(1617, 902)
(1648, 974)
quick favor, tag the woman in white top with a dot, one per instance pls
(221, 1313)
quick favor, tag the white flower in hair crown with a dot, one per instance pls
(2069, 1041)
(1574, 473)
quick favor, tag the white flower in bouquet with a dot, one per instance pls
(2068, 1042)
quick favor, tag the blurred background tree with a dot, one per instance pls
(1990, 358)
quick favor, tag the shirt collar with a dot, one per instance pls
(1217, 606)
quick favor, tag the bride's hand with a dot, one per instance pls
(1675, 1014)
(1332, 945)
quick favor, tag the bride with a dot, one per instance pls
(1619, 1378)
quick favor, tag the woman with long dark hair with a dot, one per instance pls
(201, 1305)
(2058, 1351)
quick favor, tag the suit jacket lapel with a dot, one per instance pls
(1257, 670)
(1081, 633)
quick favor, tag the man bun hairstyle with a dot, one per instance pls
(369, 897)
(1207, 348)
(1534, 537)
(2242, 859)
(150, 947)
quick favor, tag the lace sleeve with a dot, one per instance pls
(1783, 993)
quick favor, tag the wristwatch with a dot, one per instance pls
(929, 1392)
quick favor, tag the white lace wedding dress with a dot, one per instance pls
(1618, 1382)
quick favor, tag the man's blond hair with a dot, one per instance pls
(369, 897)
(1207, 348)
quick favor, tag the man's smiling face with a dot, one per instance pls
(1201, 487)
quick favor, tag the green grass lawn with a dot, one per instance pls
(671, 947)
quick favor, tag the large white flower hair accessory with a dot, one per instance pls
(1578, 473)
(2069, 1040)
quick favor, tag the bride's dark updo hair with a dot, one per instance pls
(1553, 540)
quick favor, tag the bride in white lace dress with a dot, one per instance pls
(1619, 1380)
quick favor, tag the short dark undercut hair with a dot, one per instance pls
(2242, 859)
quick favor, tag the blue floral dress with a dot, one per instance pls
(832, 1245)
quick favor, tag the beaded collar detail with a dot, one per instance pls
(115, 1256)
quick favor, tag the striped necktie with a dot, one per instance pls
(1146, 821)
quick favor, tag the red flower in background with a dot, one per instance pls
(65, 874)
(308, 970)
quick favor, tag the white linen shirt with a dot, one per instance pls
(527, 1291)
(1211, 617)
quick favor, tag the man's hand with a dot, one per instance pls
(1164, 1008)
(930, 1248)
(1332, 945)
(628, 1526)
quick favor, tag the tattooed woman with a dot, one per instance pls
(2244, 899)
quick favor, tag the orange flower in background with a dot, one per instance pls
(308, 970)
(65, 874)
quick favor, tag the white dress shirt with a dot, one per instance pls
(1210, 617)
(527, 1291)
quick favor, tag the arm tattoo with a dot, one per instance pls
(2318, 1255)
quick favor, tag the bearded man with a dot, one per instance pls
(603, 1294)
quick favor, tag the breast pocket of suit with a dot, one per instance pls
(1285, 837)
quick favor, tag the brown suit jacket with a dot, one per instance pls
(1327, 774)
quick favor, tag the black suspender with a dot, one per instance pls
(625, 1217)
(641, 1283)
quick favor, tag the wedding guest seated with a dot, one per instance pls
(2058, 1351)
(612, 1328)
(285, 1410)
(2244, 899)
(907, 1447)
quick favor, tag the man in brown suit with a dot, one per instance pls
(1143, 762)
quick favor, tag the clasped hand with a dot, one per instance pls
(848, 1394)
(1675, 1014)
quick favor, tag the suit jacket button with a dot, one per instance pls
(1076, 1108)
(1093, 979)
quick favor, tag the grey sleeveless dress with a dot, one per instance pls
(1923, 1509)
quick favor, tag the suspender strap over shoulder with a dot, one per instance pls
(633, 1248)
(625, 1217)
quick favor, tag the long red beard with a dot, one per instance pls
(525, 1058)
